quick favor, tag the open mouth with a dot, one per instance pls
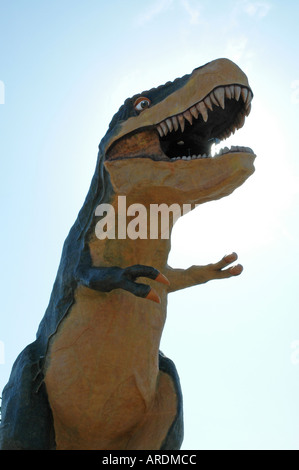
(190, 135)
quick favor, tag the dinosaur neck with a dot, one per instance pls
(135, 233)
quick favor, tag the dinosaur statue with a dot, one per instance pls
(95, 378)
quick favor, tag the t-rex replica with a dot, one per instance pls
(95, 378)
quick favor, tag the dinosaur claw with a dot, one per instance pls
(162, 279)
(152, 295)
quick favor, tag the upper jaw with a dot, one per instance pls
(215, 98)
(191, 133)
(147, 154)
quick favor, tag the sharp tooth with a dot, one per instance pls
(194, 157)
(219, 94)
(181, 142)
(169, 124)
(201, 107)
(240, 120)
(232, 129)
(232, 90)
(189, 158)
(181, 122)
(228, 93)
(237, 120)
(175, 122)
(208, 103)
(213, 99)
(184, 157)
(237, 92)
(188, 116)
(244, 94)
(247, 112)
(160, 130)
(164, 127)
(194, 112)
(249, 99)
(204, 155)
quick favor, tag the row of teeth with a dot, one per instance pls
(194, 157)
(234, 148)
(215, 98)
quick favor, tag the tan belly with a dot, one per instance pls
(102, 374)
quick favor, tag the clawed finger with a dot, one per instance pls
(162, 279)
(152, 295)
(143, 290)
(138, 270)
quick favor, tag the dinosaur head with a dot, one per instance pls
(159, 143)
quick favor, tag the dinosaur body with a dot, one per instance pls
(95, 378)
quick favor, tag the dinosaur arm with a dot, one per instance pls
(105, 279)
(182, 278)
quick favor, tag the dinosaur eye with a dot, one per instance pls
(141, 103)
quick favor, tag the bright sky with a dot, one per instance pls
(65, 68)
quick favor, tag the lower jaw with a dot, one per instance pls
(223, 151)
(146, 144)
